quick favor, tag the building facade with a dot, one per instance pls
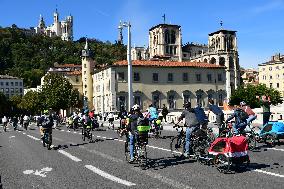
(11, 86)
(63, 29)
(158, 82)
(271, 73)
(165, 43)
(249, 76)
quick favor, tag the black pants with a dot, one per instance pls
(266, 116)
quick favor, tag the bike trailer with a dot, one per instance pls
(232, 147)
(272, 127)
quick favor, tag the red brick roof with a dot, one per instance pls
(67, 65)
(147, 63)
(76, 72)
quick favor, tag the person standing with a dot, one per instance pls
(165, 112)
(217, 111)
(265, 104)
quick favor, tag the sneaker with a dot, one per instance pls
(185, 155)
(131, 160)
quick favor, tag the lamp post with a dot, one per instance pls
(130, 90)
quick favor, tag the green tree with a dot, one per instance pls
(4, 105)
(15, 102)
(249, 94)
(57, 92)
(31, 102)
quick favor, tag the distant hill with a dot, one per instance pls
(29, 57)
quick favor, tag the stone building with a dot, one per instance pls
(158, 82)
(271, 73)
(165, 43)
(63, 29)
(249, 76)
(11, 86)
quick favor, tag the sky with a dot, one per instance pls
(259, 23)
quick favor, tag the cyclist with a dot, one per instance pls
(132, 128)
(26, 121)
(15, 122)
(152, 111)
(5, 122)
(191, 123)
(111, 120)
(46, 125)
(240, 120)
(87, 122)
(248, 110)
(217, 111)
(201, 116)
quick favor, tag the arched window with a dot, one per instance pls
(167, 36)
(205, 60)
(173, 37)
(213, 60)
(231, 63)
(222, 61)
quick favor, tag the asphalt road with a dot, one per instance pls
(72, 163)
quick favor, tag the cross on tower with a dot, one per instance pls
(164, 17)
(221, 23)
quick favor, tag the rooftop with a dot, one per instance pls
(223, 31)
(164, 25)
(146, 63)
(8, 77)
(68, 65)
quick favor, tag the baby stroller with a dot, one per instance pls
(272, 132)
(226, 152)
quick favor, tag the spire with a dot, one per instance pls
(86, 45)
(164, 17)
(221, 24)
(86, 52)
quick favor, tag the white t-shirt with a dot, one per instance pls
(110, 115)
(26, 118)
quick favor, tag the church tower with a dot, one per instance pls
(165, 42)
(87, 69)
(56, 23)
(223, 50)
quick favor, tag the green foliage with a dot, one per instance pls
(4, 104)
(31, 102)
(57, 92)
(28, 57)
(14, 102)
(249, 94)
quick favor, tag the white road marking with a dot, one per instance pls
(108, 176)
(276, 149)
(33, 137)
(68, 131)
(41, 173)
(24, 133)
(268, 173)
(12, 137)
(62, 130)
(74, 132)
(69, 156)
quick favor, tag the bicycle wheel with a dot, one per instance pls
(223, 163)
(177, 146)
(5, 128)
(251, 141)
(142, 156)
(90, 136)
(83, 134)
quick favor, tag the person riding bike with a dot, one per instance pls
(111, 120)
(191, 123)
(152, 111)
(240, 120)
(132, 128)
(15, 122)
(26, 120)
(5, 122)
(201, 116)
(46, 125)
(248, 110)
(86, 120)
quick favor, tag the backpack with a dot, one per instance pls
(242, 115)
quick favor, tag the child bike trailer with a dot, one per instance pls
(228, 151)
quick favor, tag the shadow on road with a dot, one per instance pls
(161, 163)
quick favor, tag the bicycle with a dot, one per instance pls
(47, 138)
(87, 133)
(140, 150)
(155, 125)
(5, 126)
(177, 144)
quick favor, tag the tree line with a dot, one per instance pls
(29, 57)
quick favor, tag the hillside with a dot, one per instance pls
(29, 57)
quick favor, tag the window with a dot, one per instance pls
(2, 90)
(121, 101)
(270, 85)
(20, 83)
(170, 77)
(277, 68)
(277, 76)
(270, 68)
(263, 69)
(185, 76)
(2, 83)
(155, 77)
(77, 79)
(85, 72)
(209, 78)
(85, 65)
(186, 98)
(171, 101)
(264, 77)
(12, 90)
(121, 76)
(7, 90)
(137, 100)
(17, 90)
(199, 98)
(12, 83)
(277, 85)
(219, 77)
(156, 100)
(198, 77)
(16, 83)
(270, 76)
(7, 83)
(136, 76)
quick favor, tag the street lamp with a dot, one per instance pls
(130, 90)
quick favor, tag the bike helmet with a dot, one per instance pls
(243, 103)
(86, 111)
(136, 107)
(45, 111)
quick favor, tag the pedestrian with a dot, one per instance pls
(217, 111)
(165, 112)
(265, 104)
